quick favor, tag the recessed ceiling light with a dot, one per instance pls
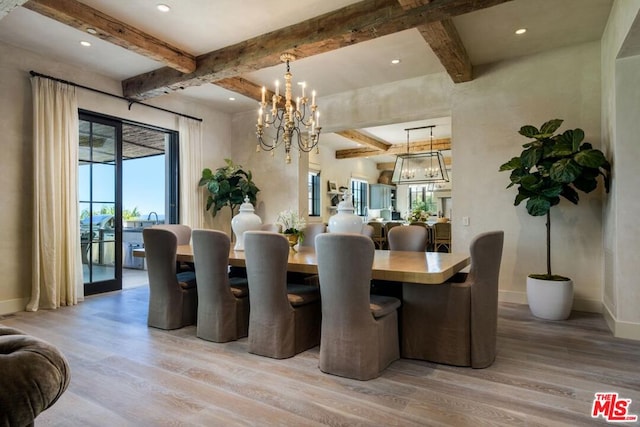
(521, 31)
(163, 8)
(92, 31)
(231, 98)
(85, 43)
(395, 61)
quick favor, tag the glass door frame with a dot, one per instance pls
(113, 284)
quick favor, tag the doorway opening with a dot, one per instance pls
(127, 181)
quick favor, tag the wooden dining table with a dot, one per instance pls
(410, 270)
(425, 268)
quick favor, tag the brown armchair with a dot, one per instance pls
(457, 320)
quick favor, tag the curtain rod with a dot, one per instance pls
(130, 101)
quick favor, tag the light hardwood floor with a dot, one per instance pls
(126, 374)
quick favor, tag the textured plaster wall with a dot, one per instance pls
(486, 115)
(620, 111)
(16, 162)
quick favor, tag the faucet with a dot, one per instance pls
(153, 213)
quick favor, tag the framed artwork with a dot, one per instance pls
(333, 186)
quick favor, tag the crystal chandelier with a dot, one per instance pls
(420, 168)
(295, 121)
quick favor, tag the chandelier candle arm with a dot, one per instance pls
(300, 119)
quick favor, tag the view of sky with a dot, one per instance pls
(143, 184)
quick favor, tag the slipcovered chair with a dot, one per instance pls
(284, 319)
(33, 376)
(183, 234)
(359, 337)
(223, 303)
(368, 230)
(173, 298)
(458, 320)
(310, 233)
(442, 236)
(387, 227)
(410, 238)
(275, 228)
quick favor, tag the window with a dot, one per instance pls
(314, 193)
(422, 196)
(359, 191)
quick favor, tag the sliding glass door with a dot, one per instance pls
(128, 180)
(99, 203)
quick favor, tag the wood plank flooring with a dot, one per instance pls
(126, 374)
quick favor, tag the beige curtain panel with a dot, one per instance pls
(57, 264)
(192, 198)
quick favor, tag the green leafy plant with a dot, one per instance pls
(553, 166)
(228, 186)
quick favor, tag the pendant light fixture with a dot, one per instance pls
(420, 168)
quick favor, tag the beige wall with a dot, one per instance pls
(486, 115)
(16, 162)
(620, 129)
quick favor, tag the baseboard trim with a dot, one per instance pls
(628, 330)
(13, 305)
(579, 304)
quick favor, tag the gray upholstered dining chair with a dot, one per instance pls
(368, 231)
(274, 228)
(408, 238)
(173, 297)
(183, 234)
(284, 319)
(359, 336)
(310, 233)
(458, 320)
(223, 303)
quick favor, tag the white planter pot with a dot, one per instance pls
(550, 299)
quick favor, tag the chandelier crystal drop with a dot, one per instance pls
(291, 121)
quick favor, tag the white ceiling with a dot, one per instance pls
(201, 26)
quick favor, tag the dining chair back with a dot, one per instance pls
(462, 315)
(368, 231)
(359, 335)
(173, 297)
(442, 236)
(284, 319)
(310, 233)
(274, 228)
(182, 232)
(408, 238)
(378, 234)
(223, 307)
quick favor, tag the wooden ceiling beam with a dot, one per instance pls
(444, 40)
(7, 6)
(414, 147)
(347, 26)
(82, 17)
(361, 138)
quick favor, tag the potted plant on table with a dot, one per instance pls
(553, 166)
(292, 226)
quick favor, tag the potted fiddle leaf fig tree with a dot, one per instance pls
(228, 186)
(553, 166)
